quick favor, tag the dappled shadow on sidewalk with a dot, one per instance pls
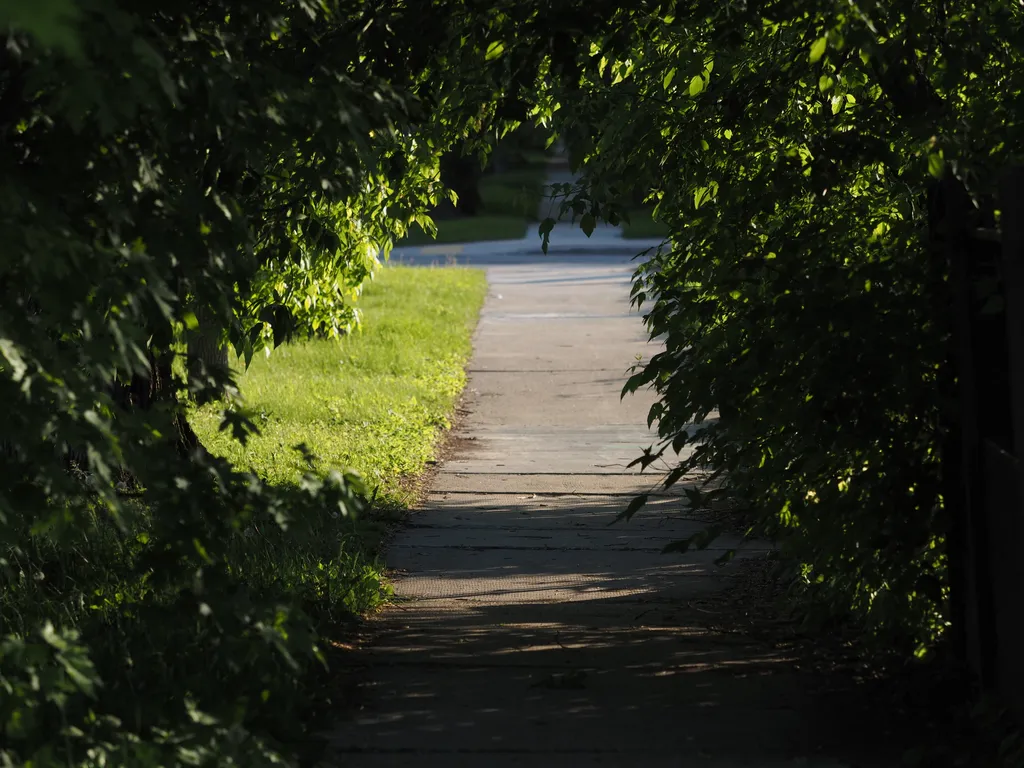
(531, 635)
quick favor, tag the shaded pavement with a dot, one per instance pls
(526, 629)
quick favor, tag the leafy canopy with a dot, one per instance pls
(789, 147)
(228, 170)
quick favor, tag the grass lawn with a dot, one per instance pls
(376, 401)
(641, 226)
(510, 202)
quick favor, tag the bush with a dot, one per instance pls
(230, 171)
(789, 148)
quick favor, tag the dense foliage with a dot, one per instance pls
(234, 170)
(790, 146)
(225, 169)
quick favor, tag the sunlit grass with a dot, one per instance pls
(376, 401)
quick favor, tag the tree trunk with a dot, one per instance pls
(145, 391)
(206, 358)
(207, 355)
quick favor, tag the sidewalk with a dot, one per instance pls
(527, 630)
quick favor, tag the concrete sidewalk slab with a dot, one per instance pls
(496, 483)
(582, 396)
(663, 516)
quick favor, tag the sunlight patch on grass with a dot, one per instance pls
(376, 401)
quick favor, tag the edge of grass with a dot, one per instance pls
(376, 401)
(379, 401)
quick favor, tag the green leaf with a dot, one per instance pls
(201, 550)
(588, 224)
(936, 164)
(52, 637)
(81, 672)
(704, 194)
(674, 476)
(655, 411)
(13, 357)
(681, 440)
(668, 78)
(494, 50)
(818, 49)
(696, 85)
(649, 457)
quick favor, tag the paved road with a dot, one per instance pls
(529, 631)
